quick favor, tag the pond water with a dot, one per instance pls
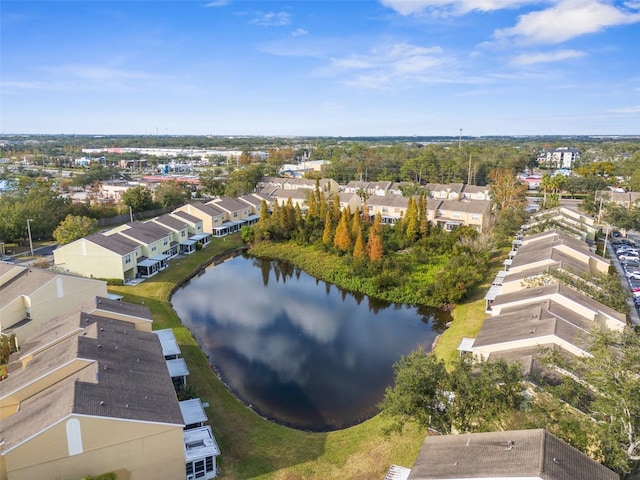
(299, 351)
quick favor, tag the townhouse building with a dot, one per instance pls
(31, 296)
(88, 394)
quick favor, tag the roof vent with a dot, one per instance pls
(101, 403)
(101, 329)
(99, 346)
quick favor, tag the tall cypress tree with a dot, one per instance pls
(327, 234)
(342, 238)
(359, 250)
(411, 222)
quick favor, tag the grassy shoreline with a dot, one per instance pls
(255, 448)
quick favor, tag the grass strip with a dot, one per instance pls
(255, 448)
(251, 446)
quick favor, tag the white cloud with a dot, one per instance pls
(99, 73)
(390, 65)
(566, 20)
(453, 7)
(217, 3)
(631, 109)
(11, 85)
(299, 32)
(271, 19)
(546, 57)
(412, 7)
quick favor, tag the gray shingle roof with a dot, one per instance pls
(208, 209)
(123, 308)
(189, 218)
(529, 323)
(388, 201)
(146, 233)
(531, 454)
(540, 293)
(114, 243)
(228, 204)
(170, 222)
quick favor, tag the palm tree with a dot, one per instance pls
(364, 196)
(546, 184)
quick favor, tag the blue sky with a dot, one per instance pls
(304, 67)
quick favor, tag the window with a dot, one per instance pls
(153, 249)
(127, 259)
(198, 468)
(456, 214)
(27, 312)
(475, 216)
(165, 242)
(235, 214)
(74, 437)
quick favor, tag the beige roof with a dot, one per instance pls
(26, 281)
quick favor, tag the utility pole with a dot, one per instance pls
(460, 139)
(29, 220)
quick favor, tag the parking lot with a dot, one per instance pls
(626, 256)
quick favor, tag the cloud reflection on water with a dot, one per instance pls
(297, 349)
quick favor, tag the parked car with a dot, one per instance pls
(624, 250)
(633, 275)
(630, 263)
(626, 257)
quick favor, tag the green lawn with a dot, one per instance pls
(254, 448)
